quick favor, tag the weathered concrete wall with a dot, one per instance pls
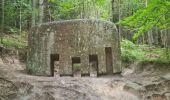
(72, 38)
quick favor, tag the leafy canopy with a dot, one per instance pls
(155, 14)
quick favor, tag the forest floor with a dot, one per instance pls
(137, 82)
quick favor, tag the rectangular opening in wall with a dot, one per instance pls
(76, 66)
(93, 61)
(55, 64)
(109, 62)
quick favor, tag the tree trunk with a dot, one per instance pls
(119, 27)
(149, 33)
(20, 19)
(116, 14)
(168, 38)
(2, 22)
(146, 3)
(150, 37)
(41, 11)
(47, 12)
(163, 37)
(115, 10)
(33, 13)
(167, 44)
(82, 12)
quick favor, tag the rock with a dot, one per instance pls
(1, 62)
(132, 87)
(1, 47)
(166, 77)
(158, 97)
(167, 95)
(158, 91)
(127, 71)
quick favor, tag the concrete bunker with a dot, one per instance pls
(90, 47)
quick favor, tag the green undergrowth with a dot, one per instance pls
(143, 52)
(17, 41)
(77, 67)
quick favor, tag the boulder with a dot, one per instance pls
(1, 62)
(166, 77)
(133, 88)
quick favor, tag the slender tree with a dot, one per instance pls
(149, 33)
(2, 22)
(33, 13)
(41, 11)
(116, 14)
(20, 17)
(47, 11)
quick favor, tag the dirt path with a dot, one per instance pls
(70, 88)
(15, 84)
(29, 87)
(112, 89)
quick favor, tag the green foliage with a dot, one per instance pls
(65, 10)
(12, 12)
(128, 44)
(142, 53)
(128, 7)
(130, 51)
(19, 12)
(72, 9)
(51, 0)
(17, 41)
(156, 14)
(11, 30)
(77, 67)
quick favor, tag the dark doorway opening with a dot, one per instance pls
(55, 64)
(93, 61)
(76, 66)
(109, 62)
